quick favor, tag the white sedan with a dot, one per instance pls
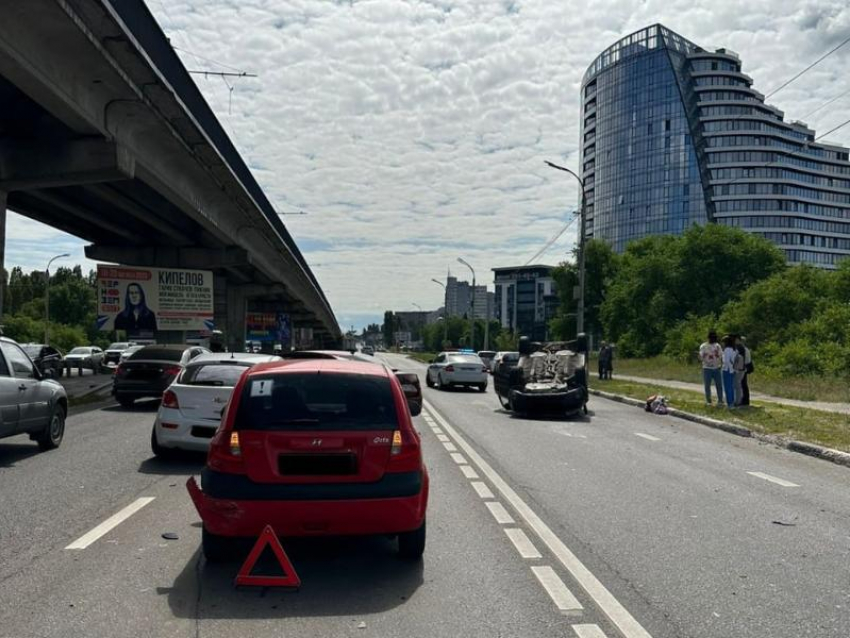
(457, 368)
(191, 407)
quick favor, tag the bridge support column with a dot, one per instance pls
(234, 320)
(3, 197)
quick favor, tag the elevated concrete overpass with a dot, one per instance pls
(104, 135)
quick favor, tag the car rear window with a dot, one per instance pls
(32, 351)
(214, 374)
(164, 354)
(464, 358)
(316, 401)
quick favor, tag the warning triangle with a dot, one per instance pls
(268, 539)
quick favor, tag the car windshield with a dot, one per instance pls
(158, 354)
(317, 401)
(464, 358)
(80, 351)
(489, 354)
(118, 346)
(214, 374)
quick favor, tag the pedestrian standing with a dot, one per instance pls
(606, 357)
(728, 368)
(740, 373)
(748, 370)
(711, 358)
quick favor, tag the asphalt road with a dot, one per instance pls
(618, 524)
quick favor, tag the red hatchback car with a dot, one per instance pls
(314, 447)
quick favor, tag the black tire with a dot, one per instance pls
(126, 402)
(157, 449)
(217, 549)
(440, 384)
(504, 401)
(428, 383)
(411, 545)
(482, 387)
(51, 437)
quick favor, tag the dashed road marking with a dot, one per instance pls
(436, 430)
(648, 437)
(522, 543)
(773, 479)
(443, 438)
(450, 447)
(588, 631)
(110, 523)
(458, 458)
(482, 489)
(628, 626)
(469, 472)
(571, 435)
(500, 513)
(557, 590)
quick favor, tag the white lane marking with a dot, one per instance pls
(773, 479)
(460, 459)
(436, 430)
(648, 437)
(522, 543)
(482, 489)
(629, 627)
(588, 631)
(571, 435)
(500, 513)
(110, 523)
(443, 438)
(557, 590)
(450, 447)
(469, 472)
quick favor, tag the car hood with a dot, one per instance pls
(77, 356)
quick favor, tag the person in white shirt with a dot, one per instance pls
(728, 368)
(711, 356)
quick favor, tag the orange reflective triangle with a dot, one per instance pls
(290, 577)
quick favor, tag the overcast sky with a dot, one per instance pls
(413, 132)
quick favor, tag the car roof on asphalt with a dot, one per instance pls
(231, 357)
(340, 366)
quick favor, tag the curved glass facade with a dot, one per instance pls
(673, 135)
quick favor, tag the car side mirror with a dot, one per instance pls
(433, 361)
(415, 407)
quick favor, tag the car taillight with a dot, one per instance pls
(226, 453)
(121, 370)
(484, 369)
(171, 371)
(169, 400)
(405, 452)
(449, 368)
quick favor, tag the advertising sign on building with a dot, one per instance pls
(141, 301)
(268, 327)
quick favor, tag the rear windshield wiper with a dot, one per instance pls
(294, 422)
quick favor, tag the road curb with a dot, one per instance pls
(93, 390)
(802, 447)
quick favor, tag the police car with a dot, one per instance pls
(459, 368)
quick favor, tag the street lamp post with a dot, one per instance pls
(47, 297)
(445, 312)
(581, 251)
(472, 328)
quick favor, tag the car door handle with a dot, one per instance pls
(23, 386)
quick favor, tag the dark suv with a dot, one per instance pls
(149, 371)
(47, 359)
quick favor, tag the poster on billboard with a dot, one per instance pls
(141, 300)
(272, 327)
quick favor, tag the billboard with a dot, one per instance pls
(268, 327)
(144, 300)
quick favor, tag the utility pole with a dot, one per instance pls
(581, 246)
(47, 298)
(472, 327)
(445, 312)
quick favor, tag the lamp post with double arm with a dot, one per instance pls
(47, 297)
(472, 326)
(445, 312)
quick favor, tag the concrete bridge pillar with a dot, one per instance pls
(3, 198)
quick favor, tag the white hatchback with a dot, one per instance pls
(457, 368)
(191, 407)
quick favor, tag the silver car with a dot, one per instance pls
(29, 403)
(90, 357)
(457, 368)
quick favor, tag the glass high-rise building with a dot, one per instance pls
(674, 135)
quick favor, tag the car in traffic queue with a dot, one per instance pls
(86, 357)
(461, 368)
(29, 403)
(149, 371)
(190, 411)
(314, 447)
(487, 357)
(47, 359)
(368, 350)
(112, 355)
(504, 360)
(126, 354)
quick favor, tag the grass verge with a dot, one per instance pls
(813, 426)
(422, 357)
(766, 381)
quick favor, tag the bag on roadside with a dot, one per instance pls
(649, 402)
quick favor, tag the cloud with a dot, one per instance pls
(414, 131)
